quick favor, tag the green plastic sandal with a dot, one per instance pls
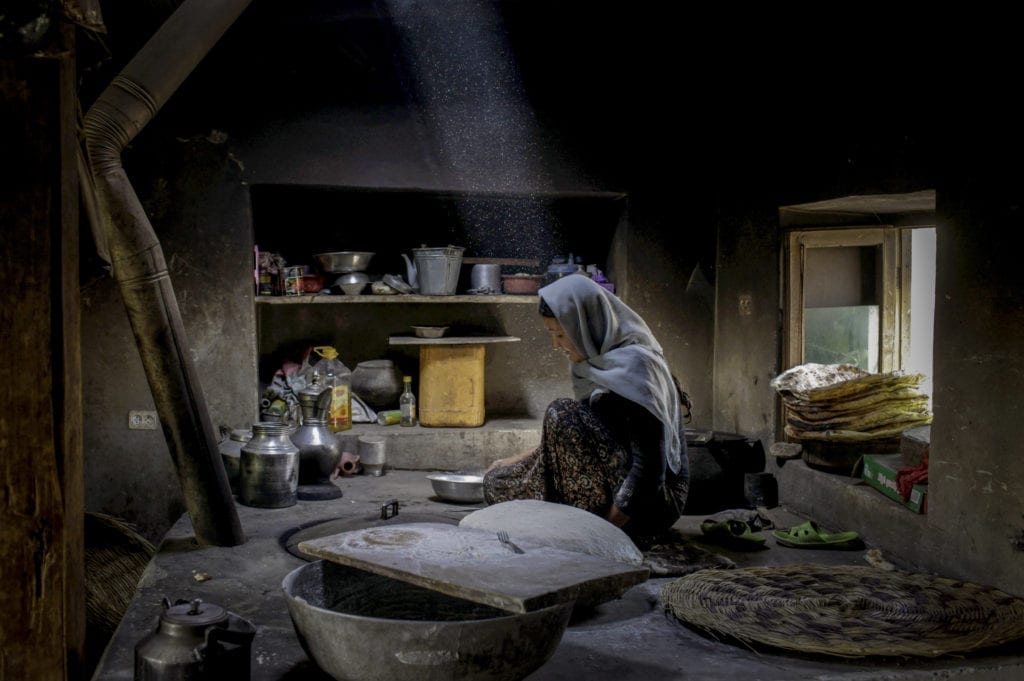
(732, 533)
(810, 536)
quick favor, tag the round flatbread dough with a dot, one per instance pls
(558, 526)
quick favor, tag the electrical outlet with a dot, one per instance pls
(746, 305)
(142, 420)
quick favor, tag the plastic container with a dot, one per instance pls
(451, 385)
(339, 379)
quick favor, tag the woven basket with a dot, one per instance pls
(846, 611)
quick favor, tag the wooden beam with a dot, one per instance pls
(41, 503)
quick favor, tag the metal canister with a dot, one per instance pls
(269, 475)
(196, 641)
(231, 453)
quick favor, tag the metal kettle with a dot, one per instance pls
(196, 641)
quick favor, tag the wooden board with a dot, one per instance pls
(472, 564)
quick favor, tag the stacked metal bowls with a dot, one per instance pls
(352, 283)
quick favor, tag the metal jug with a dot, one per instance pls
(319, 448)
(196, 641)
(269, 467)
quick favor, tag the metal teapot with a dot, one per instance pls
(410, 272)
(196, 641)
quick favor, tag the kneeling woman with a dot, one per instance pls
(618, 449)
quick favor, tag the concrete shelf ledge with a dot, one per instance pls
(449, 449)
(502, 299)
(839, 502)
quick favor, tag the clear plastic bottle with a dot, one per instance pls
(339, 379)
(407, 403)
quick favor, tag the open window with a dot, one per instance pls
(861, 295)
(845, 300)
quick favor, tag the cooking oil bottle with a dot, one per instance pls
(339, 379)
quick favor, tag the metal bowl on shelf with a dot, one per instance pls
(429, 331)
(353, 289)
(342, 262)
(352, 283)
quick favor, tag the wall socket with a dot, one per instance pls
(746, 305)
(142, 420)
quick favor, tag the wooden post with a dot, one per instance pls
(42, 593)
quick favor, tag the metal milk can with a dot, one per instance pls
(196, 641)
(269, 467)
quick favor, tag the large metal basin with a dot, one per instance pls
(358, 626)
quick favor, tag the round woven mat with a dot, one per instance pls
(848, 611)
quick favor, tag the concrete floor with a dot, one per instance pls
(630, 638)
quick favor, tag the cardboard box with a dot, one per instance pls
(880, 472)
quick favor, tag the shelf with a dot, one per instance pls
(450, 340)
(398, 298)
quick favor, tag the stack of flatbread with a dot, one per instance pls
(841, 403)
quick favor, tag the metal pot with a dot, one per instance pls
(485, 278)
(378, 383)
(196, 641)
(231, 454)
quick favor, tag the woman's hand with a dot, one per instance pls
(500, 463)
(616, 517)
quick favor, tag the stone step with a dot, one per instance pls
(449, 449)
(914, 443)
(839, 503)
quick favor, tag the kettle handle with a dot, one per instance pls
(239, 631)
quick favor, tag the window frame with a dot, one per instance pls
(894, 322)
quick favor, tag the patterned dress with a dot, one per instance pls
(580, 462)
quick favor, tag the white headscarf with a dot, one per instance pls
(621, 353)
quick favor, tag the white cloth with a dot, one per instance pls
(621, 353)
(361, 411)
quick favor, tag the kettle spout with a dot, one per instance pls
(410, 271)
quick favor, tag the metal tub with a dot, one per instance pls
(359, 626)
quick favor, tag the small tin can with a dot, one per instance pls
(293, 281)
(389, 418)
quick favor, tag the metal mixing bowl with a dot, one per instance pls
(340, 262)
(458, 487)
(352, 283)
(352, 278)
(353, 289)
(360, 626)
